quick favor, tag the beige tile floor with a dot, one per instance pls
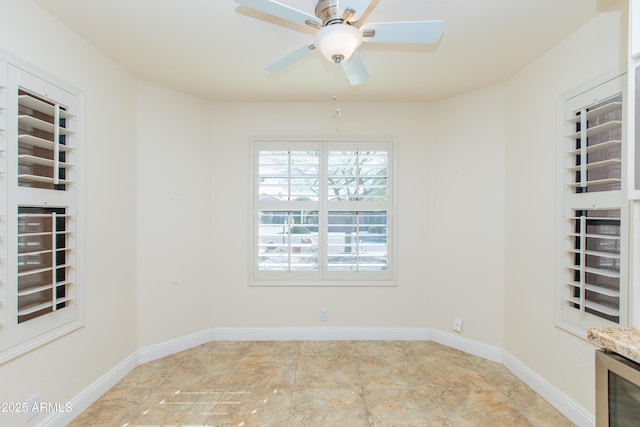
(321, 383)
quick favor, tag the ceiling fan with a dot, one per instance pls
(340, 34)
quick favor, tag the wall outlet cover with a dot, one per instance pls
(457, 324)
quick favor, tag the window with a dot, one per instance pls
(593, 283)
(40, 239)
(323, 213)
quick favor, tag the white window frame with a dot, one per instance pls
(323, 277)
(19, 338)
(573, 320)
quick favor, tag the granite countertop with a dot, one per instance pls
(624, 341)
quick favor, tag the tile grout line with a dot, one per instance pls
(368, 412)
(293, 386)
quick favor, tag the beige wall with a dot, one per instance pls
(61, 369)
(467, 203)
(174, 215)
(532, 95)
(439, 183)
(435, 141)
(235, 304)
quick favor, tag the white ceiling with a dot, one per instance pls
(218, 49)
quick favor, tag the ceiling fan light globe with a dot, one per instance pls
(337, 41)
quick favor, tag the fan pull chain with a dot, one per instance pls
(336, 98)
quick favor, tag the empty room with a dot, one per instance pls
(319, 212)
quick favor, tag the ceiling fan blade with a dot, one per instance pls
(355, 70)
(281, 11)
(419, 32)
(358, 6)
(291, 58)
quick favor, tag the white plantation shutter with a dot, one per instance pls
(357, 241)
(289, 175)
(595, 268)
(597, 162)
(40, 292)
(42, 142)
(287, 202)
(358, 175)
(323, 212)
(288, 241)
(359, 211)
(593, 276)
(42, 262)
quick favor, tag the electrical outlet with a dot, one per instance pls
(457, 324)
(324, 315)
(33, 404)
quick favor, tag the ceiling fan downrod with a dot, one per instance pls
(329, 12)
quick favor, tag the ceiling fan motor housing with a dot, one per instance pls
(329, 12)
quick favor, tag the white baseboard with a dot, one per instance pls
(89, 395)
(321, 334)
(167, 348)
(570, 409)
(563, 403)
(467, 345)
